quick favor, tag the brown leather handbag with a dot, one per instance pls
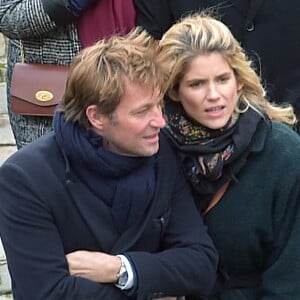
(36, 89)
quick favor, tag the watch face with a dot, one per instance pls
(123, 275)
(123, 278)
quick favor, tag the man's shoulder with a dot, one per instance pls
(39, 150)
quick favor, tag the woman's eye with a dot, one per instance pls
(196, 84)
(224, 79)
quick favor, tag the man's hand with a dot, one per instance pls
(96, 266)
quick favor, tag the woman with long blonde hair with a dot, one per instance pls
(240, 155)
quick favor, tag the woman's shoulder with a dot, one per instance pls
(283, 134)
(280, 141)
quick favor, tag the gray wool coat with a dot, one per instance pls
(44, 42)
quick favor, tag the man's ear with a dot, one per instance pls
(173, 94)
(96, 119)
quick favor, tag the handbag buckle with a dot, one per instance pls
(43, 96)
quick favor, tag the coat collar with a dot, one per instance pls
(259, 139)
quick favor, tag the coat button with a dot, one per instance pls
(250, 27)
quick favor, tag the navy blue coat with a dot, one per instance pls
(46, 212)
(269, 31)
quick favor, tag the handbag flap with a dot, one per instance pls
(39, 84)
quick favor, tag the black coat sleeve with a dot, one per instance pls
(60, 11)
(154, 16)
(157, 16)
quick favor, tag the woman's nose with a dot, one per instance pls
(212, 92)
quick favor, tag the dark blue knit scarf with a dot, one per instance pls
(126, 184)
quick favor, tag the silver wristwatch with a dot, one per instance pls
(122, 275)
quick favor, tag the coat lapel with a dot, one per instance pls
(248, 8)
(95, 214)
(240, 5)
(130, 236)
(253, 9)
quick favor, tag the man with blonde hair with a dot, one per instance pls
(99, 209)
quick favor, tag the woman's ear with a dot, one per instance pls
(96, 119)
(173, 94)
(239, 89)
(239, 86)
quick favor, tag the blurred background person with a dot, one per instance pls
(268, 30)
(53, 32)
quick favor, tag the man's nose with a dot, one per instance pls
(158, 119)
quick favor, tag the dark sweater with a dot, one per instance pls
(256, 225)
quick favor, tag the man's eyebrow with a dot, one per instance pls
(144, 106)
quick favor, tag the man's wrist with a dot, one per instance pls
(117, 270)
(125, 275)
(122, 274)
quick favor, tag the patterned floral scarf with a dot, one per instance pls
(210, 157)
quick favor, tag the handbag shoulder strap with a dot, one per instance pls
(22, 50)
(217, 196)
(220, 192)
